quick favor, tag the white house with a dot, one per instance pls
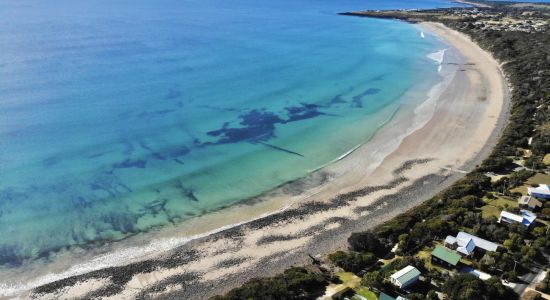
(405, 277)
(526, 218)
(466, 243)
(542, 191)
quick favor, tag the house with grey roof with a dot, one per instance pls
(465, 243)
(405, 277)
(529, 202)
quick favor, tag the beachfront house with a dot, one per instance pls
(542, 191)
(525, 218)
(445, 257)
(465, 243)
(529, 202)
(405, 277)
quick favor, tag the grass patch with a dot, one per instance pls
(488, 211)
(365, 292)
(495, 206)
(466, 262)
(536, 179)
(349, 279)
(426, 256)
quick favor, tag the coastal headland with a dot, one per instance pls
(416, 155)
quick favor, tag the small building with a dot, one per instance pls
(542, 191)
(405, 277)
(529, 202)
(466, 243)
(384, 296)
(525, 218)
(445, 257)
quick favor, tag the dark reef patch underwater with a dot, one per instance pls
(120, 118)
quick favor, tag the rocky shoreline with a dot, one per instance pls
(266, 246)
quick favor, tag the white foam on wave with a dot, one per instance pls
(422, 115)
(121, 257)
(347, 153)
(422, 34)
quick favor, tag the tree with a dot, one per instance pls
(514, 243)
(467, 286)
(373, 279)
(432, 295)
(352, 261)
(294, 283)
(367, 242)
(415, 296)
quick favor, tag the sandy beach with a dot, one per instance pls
(419, 153)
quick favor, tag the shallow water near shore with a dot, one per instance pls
(119, 118)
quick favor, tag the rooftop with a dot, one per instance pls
(406, 274)
(479, 242)
(525, 217)
(529, 201)
(446, 255)
(541, 189)
(384, 296)
(466, 243)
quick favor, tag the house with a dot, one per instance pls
(445, 257)
(405, 277)
(542, 191)
(466, 243)
(529, 202)
(526, 218)
(384, 296)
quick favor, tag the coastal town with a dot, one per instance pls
(488, 235)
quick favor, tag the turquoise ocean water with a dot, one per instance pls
(117, 117)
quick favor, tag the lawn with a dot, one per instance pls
(353, 281)
(365, 292)
(488, 211)
(536, 179)
(493, 207)
(349, 279)
(426, 256)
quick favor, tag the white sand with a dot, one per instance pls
(467, 118)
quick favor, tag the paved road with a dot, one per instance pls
(531, 278)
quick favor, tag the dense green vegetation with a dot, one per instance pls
(294, 283)
(352, 261)
(525, 58)
(367, 241)
(467, 287)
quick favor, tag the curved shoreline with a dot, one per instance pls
(320, 226)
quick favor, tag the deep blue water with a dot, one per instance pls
(120, 116)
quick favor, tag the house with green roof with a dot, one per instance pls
(445, 257)
(384, 296)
